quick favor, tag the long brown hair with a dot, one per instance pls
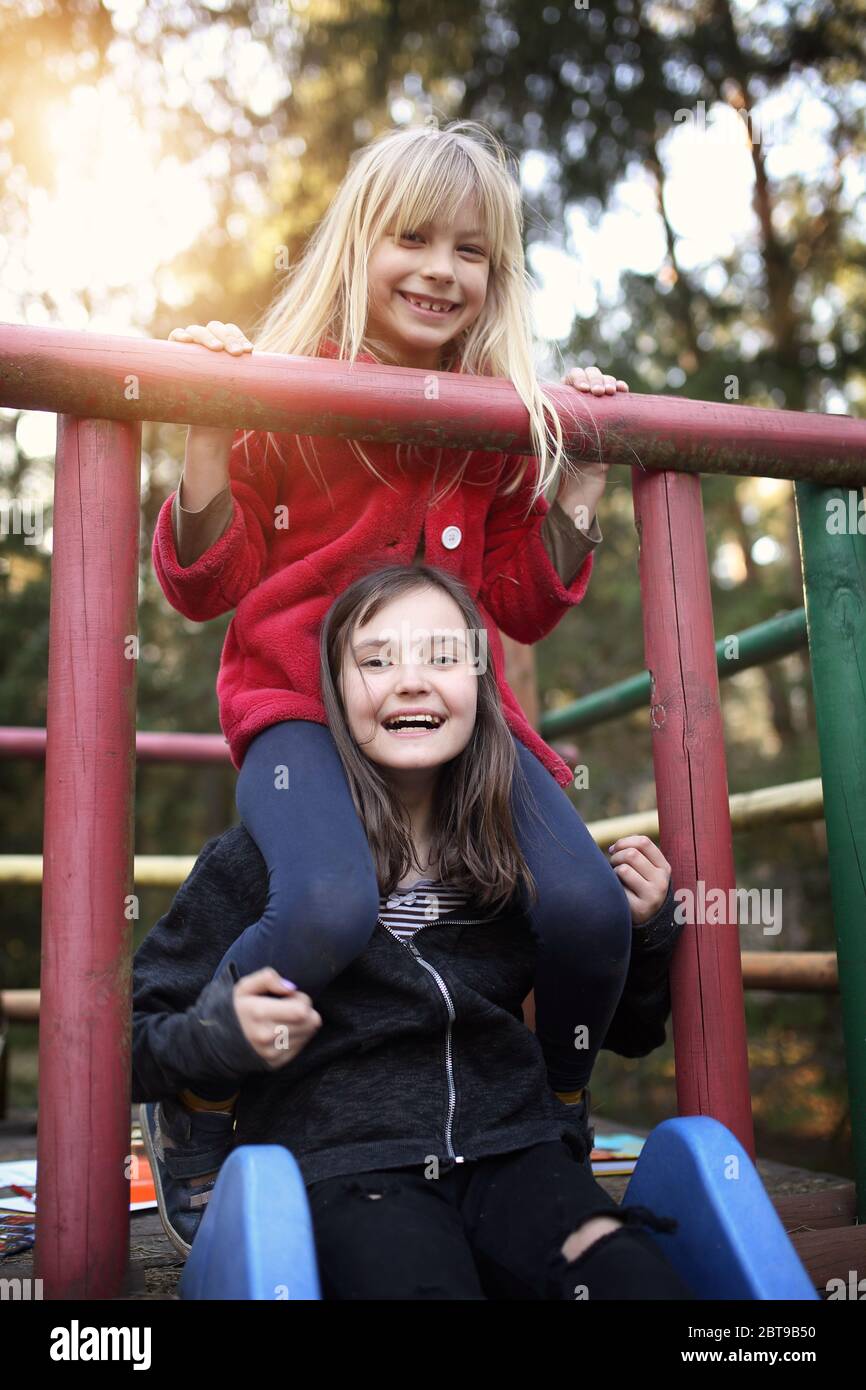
(474, 847)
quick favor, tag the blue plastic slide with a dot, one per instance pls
(730, 1242)
(256, 1236)
(255, 1240)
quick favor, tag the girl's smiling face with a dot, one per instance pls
(415, 655)
(450, 264)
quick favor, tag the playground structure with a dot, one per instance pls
(101, 388)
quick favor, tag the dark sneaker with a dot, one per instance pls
(186, 1149)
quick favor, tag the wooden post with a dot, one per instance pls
(709, 1030)
(83, 1146)
(832, 530)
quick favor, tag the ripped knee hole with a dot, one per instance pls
(587, 1234)
(597, 1226)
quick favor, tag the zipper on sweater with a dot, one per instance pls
(443, 988)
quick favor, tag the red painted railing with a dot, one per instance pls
(100, 387)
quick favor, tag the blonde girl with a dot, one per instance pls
(418, 263)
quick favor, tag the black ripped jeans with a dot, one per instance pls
(491, 1228)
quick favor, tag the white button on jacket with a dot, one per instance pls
(451, 537)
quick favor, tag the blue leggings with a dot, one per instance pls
(318, 858)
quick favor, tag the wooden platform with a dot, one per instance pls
(817, 1211)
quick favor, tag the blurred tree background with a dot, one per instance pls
(693, 179)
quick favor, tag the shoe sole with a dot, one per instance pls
(177, 1240)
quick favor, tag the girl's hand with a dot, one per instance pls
(211, 443)
(216, 335)
(277, 1029)
(593, 379)
(644, 873)
(580, 495)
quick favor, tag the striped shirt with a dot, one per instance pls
(407, 909)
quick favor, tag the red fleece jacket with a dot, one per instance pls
(282, 580)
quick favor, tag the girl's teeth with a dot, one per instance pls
(435, 308)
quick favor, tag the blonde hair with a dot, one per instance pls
(403, 179)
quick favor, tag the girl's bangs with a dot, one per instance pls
(434, 191)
